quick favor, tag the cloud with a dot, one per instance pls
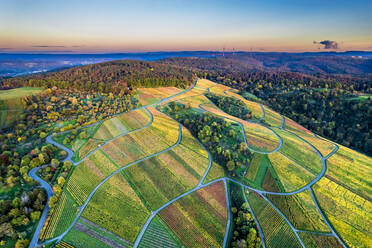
(45, 46)
(4, 48)
(328, 44)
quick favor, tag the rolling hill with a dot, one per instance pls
(205, 167)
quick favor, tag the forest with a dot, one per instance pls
(220, 137)
(338, 107)
(109, 77)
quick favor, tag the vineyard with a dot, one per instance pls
(147, 181)
(216, 171)
(301, 211)
(161, 134)
(349, 213)
(292, 175)
(148, 96)
(260, 138)
(195, 218)
(79, 239)
(60, 218)
(302, 153)
(277, 233)
(315, 241)
(324, 146)
(89, 174)
(352, 170)
(272, 118)
(159, 235)
(118, 208)
(122, 124)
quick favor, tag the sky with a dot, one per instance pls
(103, 26)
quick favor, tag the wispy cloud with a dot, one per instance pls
(47, 46)
(328, 44)
(4, 48)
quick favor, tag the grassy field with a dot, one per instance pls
(350, 214)
(122, 124)
(11, 106)
(260, 138)
(19, 92)
(118, 208)
(292, 175)
(301, 211)
(300, 152)
(60, 218)
(315, 241)
(88, 175)
(161, 134)
(276, 231)
(158, 234)
(199, 219)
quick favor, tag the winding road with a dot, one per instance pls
(200, 185)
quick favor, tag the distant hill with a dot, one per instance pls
(113, 76)
(355, 63)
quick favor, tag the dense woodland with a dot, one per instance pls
(109, 77)
(221, 138)
(231, 105)
(338, 107)
(244, 232)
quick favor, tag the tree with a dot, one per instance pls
(22, 243)
(35, 215)
(67, 165)
(61, 181)
(43, 135)
(230, 165)
(54, 163)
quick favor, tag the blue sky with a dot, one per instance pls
(119, 26)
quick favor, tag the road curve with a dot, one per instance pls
(48, 189)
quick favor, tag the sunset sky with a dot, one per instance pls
(73, 26)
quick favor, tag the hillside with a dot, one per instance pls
(337, 107)
(204, 167)
(11, 106)
(108, 77)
